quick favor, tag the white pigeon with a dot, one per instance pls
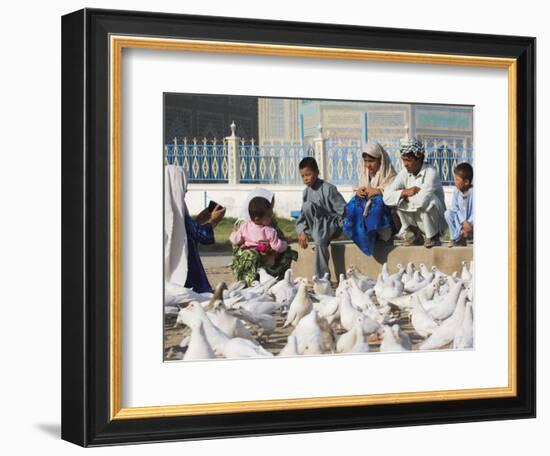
(328, 336)
(353, 270)
(421, 320)
(348, 339)
(416, 278)
(361, 344)
(229, 324)
(266, 286)
(359, 299)
(444, 287)
(300, 305)
(266, 323)
(426, 273)
(445, 333)
(365, 303)
(264, 276)
(409, 271)
(309, 338)
(234, 286)
(385, 273)
(349, 315)
(322, 286)
(417, 283)
(402, 337)
(328, 307)
(198, 347)
(363, 282)
(243, 348)
(342, 283)
(284, 290)
(258, 306)
(291, 347)
(464, 337)
(223, 345)
(391, 288)
(405, 301)
(465, 275)
(247, 293)
(470, 290)
(379, 285)
(389, 342)
(438, 274)
(443, 307)
(399, 274)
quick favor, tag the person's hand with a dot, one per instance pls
(302, 240)
(467, 228)
(217, 215)
(361, 192)
(408, 192)
(203, 217)
(373, 191)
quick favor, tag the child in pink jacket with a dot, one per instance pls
(256, 243)
(258, 233)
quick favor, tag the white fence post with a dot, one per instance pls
(320, 150)
(233, 156)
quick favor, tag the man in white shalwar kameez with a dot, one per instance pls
(417, 194)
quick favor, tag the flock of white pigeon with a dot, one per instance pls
(236, 321)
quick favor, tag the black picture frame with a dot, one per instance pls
(85, 228)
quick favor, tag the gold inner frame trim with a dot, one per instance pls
(117, 44)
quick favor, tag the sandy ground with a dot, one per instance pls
(217, 268)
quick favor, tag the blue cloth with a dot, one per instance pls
(462, 209)
(202, 234)
(363, 229)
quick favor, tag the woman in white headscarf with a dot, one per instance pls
(367, 217)
(182, 263)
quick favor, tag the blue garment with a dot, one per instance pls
(462, 209)
(196, 275)
(363, 229)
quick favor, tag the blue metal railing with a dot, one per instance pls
(207, 161)
(277, 164)
(204, 161)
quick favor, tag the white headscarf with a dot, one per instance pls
(175, 235)
(262, 192)
(385, 174)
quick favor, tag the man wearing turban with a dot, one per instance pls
(417, 194)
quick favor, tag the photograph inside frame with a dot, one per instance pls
(300, 227)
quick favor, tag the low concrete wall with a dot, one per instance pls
(343, 254)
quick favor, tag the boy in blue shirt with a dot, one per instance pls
(460, 217)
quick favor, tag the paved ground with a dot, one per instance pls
(217, 268)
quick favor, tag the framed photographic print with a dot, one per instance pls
(279, 227)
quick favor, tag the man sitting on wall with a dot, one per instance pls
(417, 195)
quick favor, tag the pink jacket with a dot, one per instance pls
(250, 235)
